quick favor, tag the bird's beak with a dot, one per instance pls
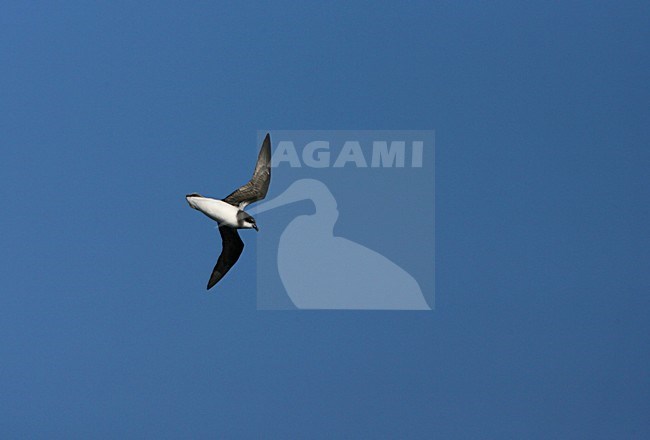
(255, 227)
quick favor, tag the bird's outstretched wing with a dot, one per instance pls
(258, 186)
(232, 249)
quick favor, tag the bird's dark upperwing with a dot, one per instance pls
(232, 249)
(258, 186)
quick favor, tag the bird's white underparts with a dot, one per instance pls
(221, 212)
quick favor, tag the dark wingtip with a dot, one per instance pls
(214, 279)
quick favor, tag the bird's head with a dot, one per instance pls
(246, 221)
(250, 223)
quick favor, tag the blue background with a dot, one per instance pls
(112, 111)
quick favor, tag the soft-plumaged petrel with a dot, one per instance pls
(230, 215)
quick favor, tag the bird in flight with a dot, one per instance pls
(229, 212)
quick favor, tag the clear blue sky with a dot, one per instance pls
(111, 111)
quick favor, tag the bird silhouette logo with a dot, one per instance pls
(322, 271)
